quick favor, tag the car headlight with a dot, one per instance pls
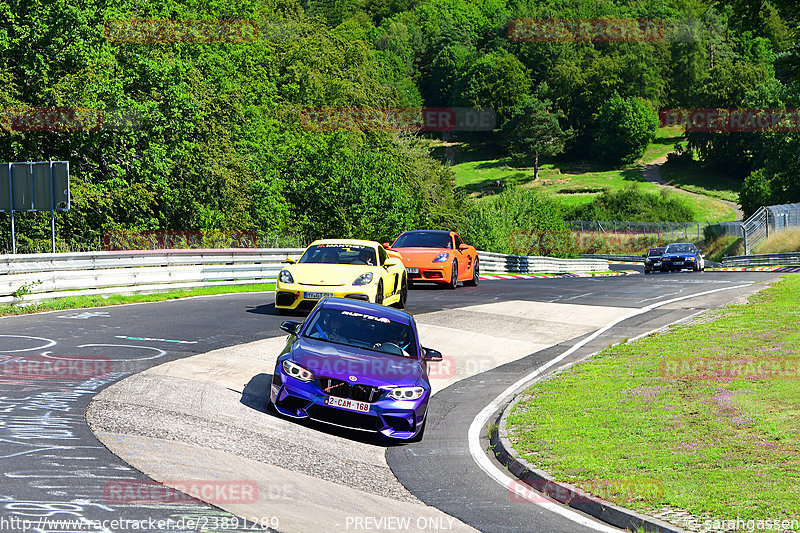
(286, 277)
(406, 393)
(691, 259)
(297, 371)
(363, 279)
(441, 258)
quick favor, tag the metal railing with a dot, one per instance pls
(685, 231)
(787, 259)
(766, 220)
(492, 263)
(40, 276)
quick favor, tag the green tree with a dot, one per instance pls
(497, 81)
(533, 130)
(623, 129)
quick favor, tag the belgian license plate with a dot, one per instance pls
(346, 403)
(678, 262)
(318, 295)
(413, 270)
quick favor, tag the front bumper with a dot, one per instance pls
(430, 273)
(678, 264)
(294, 296)
(398, 419)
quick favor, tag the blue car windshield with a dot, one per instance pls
(341, 254)
(679, 248)
(423, 239)
(363, 330)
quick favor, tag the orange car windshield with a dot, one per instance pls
(423, 239)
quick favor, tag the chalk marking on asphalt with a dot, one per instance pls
(161, 353)
(657, 297)
(480, 420)
(48, 343)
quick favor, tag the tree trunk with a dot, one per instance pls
(536, 165)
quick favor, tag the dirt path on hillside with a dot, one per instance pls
(652, 173)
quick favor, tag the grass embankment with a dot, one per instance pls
(80, 302)
(719, 247)
(718, 430)
(702, 181)
(784, 241)
(574, 183)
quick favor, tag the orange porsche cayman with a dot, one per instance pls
(437, 256)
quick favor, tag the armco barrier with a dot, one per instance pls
(40, 276)
(789, 259)
(491, 263)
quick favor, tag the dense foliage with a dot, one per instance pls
(634, 205)
(214, 136)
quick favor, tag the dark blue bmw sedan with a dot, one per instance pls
(682, 255)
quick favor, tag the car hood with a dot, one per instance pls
(421, 256)
(326, 274)
(327, 359)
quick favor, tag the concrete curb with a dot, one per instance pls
(565, 493)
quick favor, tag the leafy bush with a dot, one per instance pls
(519, 221)
(623, 129)
(633, 204)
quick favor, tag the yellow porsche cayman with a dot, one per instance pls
(345, 268)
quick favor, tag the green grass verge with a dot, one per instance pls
(663, 144)
(714, 444)
(702, 181)
(98, 300)
(573, 183)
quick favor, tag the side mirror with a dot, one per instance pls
(699, 251)
(462, 247)
(291, 259)
(387, 245)
(290, 326)
(429, 354)
(389, 263)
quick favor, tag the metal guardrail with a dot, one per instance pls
(616, 257)
(492, 263)
(789, 259)
(41, 276)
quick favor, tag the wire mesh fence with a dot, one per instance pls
(688, 231)
(767, 220)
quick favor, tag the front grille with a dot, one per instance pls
(343, 389)
(433, 275)
(284, 299)
(292, 403)
(398, 423)
(344, 418)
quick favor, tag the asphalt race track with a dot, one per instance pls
(54, 468)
